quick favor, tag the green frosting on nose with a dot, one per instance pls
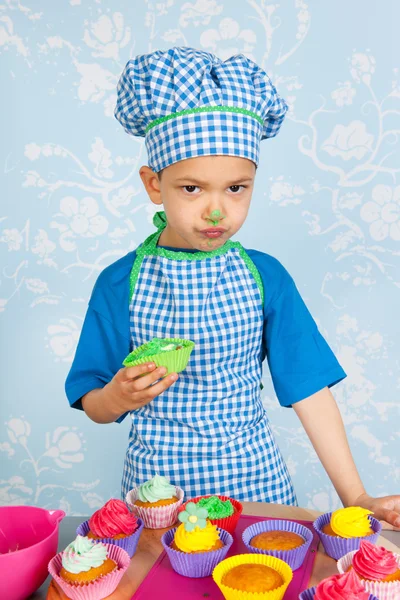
(215, 217)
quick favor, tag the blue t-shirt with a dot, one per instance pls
(300, 361)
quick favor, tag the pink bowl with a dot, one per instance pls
(28, 540)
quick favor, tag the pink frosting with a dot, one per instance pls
(374, 562)
(113, 519)
(341, 587)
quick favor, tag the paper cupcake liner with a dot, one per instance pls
(196, 565)
(336, 547)
(99, 589)
(174, 361)
(294, 558)
(129, 544)
(157, 517)
(384, 590)
(228, 523)
(310, 594)
(262, 559)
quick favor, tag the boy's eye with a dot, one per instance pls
(190, 189)
(236, 188)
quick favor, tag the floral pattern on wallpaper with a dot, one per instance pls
(80, 206)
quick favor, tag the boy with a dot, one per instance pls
(207, 430)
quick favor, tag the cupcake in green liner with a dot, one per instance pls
(171, 353)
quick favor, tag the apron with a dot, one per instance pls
(209, 433)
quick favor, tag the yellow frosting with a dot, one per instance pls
(351, 522)
(196, 540)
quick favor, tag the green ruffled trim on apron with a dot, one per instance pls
(252, 268)
(150, 248)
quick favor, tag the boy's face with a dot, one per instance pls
(206, 199)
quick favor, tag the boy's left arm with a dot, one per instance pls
(321, 419)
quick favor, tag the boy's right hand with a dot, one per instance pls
(134, 387)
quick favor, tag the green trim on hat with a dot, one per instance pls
(205, 109)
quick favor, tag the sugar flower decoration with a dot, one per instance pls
(193, 516)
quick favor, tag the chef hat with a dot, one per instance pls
(189, 103)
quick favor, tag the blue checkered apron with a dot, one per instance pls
(209, 433)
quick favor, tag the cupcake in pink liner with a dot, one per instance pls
(156, 502)
(87, 570)
(378, 570)
(338, 587)
(286, 540)
(114, 524)
(224, 512)
(341, 531)
(196, 546)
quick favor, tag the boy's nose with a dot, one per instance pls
(215, 217)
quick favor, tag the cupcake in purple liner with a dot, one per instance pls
(338, 587)
(196, 546)
(87, 570)
(342, 531)
(286, 540)
(114, 524)
(156, 502)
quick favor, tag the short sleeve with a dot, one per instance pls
(105, 339)
(299, 358)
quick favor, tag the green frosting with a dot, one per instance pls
(156, 489)
(83, 554)
(156, 346)
(215, 217)
(217, 509)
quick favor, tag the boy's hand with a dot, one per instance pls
(132, 387)
(386, 508)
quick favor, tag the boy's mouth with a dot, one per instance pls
(213, 232)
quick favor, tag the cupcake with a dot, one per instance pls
(342, 531)
(196, 546)
(338, 587)
(224, 512)
(254, 576)
(156, 502)
(286, 540)
(89, 570)
(276, 540)
(349, 522)
(171, 353)
(378, 570)
(114, 524)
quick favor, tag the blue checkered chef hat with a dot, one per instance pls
(188, 103)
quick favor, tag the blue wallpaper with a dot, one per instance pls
(326, 203)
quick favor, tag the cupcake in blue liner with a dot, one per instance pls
(292, 538)
(341, 531)
(196, 546)
(338, 587)
(113, 524)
